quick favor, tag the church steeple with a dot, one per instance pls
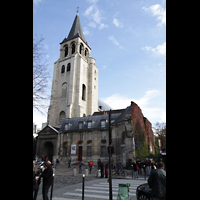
(76, 30)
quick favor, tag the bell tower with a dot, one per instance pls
(75, 79)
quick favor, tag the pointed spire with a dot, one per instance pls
(76, 30)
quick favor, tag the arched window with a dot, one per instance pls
(64, 90)
(66, 51)
(81, 48)
(73, 48)
(83, 92)
(86, 53)
(61, 117)
(63, 69)
(68, 67)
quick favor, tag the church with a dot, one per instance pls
(77, 121)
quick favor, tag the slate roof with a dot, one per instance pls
(76, 30)
(95, 119)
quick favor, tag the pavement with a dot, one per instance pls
(67, 187)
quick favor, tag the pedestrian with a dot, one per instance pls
(47, 175)
(57, 161)
(90, 163)
(157, 182)
(143, 167)
(147, 164)
(138, 163)
(80, 169)
(102, 167)
(99, 161)
(106, 170)
(69, 162)
(135, 169)
(37, 173)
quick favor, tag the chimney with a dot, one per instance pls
(132, 103)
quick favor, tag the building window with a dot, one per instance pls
(83, 92)
(89, 124)
(73, 48)
(61, 117)
(66, 51)
(64, 90)
(103, 151)
(68, 67)
(103, 123)
(80, 125)
(103, 135)
(63, 69)
(89, 151)
(89, 135)
(81, 137)
(81, 48)
(66, 126)
(86, 52)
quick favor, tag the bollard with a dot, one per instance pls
(98, 173)
(74, 172)
(132, 171)
(83, 187)
(86, 172)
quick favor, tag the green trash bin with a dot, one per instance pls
(123, 192)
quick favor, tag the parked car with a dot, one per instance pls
(143, 192)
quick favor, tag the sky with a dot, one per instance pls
(128, 42)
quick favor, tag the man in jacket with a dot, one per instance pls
(47, 175)
(90, 165)
(157, 182)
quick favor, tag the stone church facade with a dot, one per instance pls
(77, 120)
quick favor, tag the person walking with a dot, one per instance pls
(90, 163)
(147, 164)
(106, 170)
(157, 182)
(135, 169)
(80, 169)
(57, 161)
(102, 167)
(47, 175)
(37, 173)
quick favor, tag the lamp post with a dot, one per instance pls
(110, 141)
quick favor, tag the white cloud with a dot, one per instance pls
(117, 23)
(157, 10)
(153, 114)
(86, 31)
(102, 25)
(95, 15)
(159, 50)
(115, 42)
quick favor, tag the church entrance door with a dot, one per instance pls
(48, 149)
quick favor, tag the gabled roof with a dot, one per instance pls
(76, 30)
(46, 127)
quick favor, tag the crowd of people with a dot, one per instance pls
(145, 167)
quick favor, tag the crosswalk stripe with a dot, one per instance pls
(114, 186)
(101, 190)
(98, 191)
(88, 195)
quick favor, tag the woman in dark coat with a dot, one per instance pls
(106, 170)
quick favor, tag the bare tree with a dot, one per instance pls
(40, 75)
